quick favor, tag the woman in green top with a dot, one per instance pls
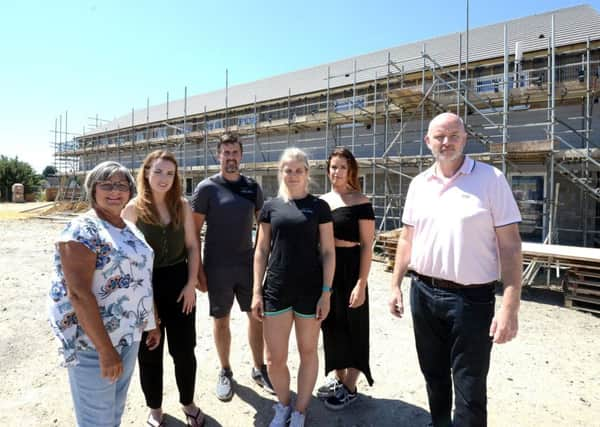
(165, 219)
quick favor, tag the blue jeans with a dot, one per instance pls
(451, 329)
(97, 401)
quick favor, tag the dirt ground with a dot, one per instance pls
(550, 375)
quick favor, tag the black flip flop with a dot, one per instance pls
(195, 417)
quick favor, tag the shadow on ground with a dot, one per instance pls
(543, 295)
(171, 421)
(540, 294)
(365, 412)
(369, 412)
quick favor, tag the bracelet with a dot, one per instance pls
(327, 288)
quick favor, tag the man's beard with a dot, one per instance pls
(447, 156)
(231, 166)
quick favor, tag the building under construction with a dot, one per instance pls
(527, 90)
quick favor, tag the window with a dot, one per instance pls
(214, 124)
(529, 194)
(189, 186)
(346, 104)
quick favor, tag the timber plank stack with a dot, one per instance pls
(582, 289)
(582, 285)
(385, 245)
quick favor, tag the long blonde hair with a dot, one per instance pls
(292, 154)
(144, 203)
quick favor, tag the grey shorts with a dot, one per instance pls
(225, 283)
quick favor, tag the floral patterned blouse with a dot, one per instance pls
(122, 284)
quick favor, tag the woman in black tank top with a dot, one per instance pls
(346, 329)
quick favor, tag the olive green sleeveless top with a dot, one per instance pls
(167, 241)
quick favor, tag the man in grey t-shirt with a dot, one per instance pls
(228, 202)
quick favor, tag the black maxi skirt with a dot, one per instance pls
(346, 330)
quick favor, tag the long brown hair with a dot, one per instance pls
(144, 203)
(352, 166)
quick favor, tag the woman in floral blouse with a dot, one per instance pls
(101, 298)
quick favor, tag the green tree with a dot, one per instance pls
(49, 171)
(14, 170)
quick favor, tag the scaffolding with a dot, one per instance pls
(530, 114)
(66, 163)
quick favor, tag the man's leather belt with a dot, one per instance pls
(447, 284)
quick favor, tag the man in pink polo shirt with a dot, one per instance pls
(460, 236)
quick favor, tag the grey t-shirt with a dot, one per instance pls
(229, 209)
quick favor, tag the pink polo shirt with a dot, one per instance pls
(454, 222)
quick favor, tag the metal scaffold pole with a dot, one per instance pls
(374, 154)
(327, 115)
(289, 116)
(587, 127)
(387, 104)
(458, 84)
(132, 142)
(226, 99)
(506, 90)
(423, 91)
(148, 130)
(255, 139)
(56, 150)
(205, 143)
(551, 218)
(184, 144)
(354, 106)
(118, 143)
(466, 69)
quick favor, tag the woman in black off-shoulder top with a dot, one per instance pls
(346, 329)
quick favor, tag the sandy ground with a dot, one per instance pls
(550, 375)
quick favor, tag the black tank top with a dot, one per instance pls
(345, 221)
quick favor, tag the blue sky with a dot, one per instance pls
(107, 57)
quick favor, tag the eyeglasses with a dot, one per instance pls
(111, 186)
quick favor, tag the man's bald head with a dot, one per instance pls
(446, 118)
(446, 138)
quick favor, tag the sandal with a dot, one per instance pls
(151, 422)
(195, 418)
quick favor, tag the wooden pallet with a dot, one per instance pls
(576, 287)
(582, 289)
(581, 303)
(387, 243)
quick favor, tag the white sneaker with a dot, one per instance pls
(297, 419)
(282, 415)
(224, 389)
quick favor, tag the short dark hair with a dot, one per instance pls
(229, 138)
(102, 172)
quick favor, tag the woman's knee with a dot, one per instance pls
(308, 351)
(276, 359)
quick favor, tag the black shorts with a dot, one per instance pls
(299, 293)
(225, 283)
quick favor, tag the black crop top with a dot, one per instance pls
(345, 221)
